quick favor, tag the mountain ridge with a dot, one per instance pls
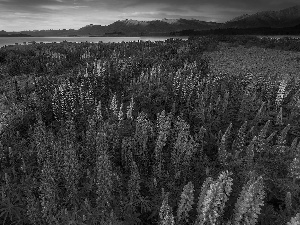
(149, 27)
(285, 18)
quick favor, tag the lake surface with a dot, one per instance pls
(20, 40)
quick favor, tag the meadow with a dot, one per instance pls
(203, 131)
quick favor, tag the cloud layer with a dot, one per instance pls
(17, 15)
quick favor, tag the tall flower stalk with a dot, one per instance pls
(49, 191)
(163, 125)
(165, 213)
(239, 143)
(134, 184)
(294, 168)
(104, 175)
(186, 202)
(249, 203)
(223, 154)
(294, 220)
(183, 148)
(143, 132)
(281, 92)
(217, 193)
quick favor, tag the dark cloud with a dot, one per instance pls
(243, 5)
(231, 3)
(18, 4)
(32, 6)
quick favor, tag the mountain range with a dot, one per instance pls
(275, 19)
(275, 22)
(148, 27)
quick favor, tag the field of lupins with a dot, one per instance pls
(198, 132)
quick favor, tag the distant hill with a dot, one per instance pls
(135, 27)
(14, 35)
(274, 19)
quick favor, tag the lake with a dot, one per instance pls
(12, 40)
(20, 40)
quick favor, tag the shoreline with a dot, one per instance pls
(24, 41)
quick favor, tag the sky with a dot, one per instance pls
(21, 15)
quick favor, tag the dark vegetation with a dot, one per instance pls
(15, 35)
(98, 133)
(295, 30)
(285, 43)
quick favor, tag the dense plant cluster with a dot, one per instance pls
(288, 43)
(147, 133)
